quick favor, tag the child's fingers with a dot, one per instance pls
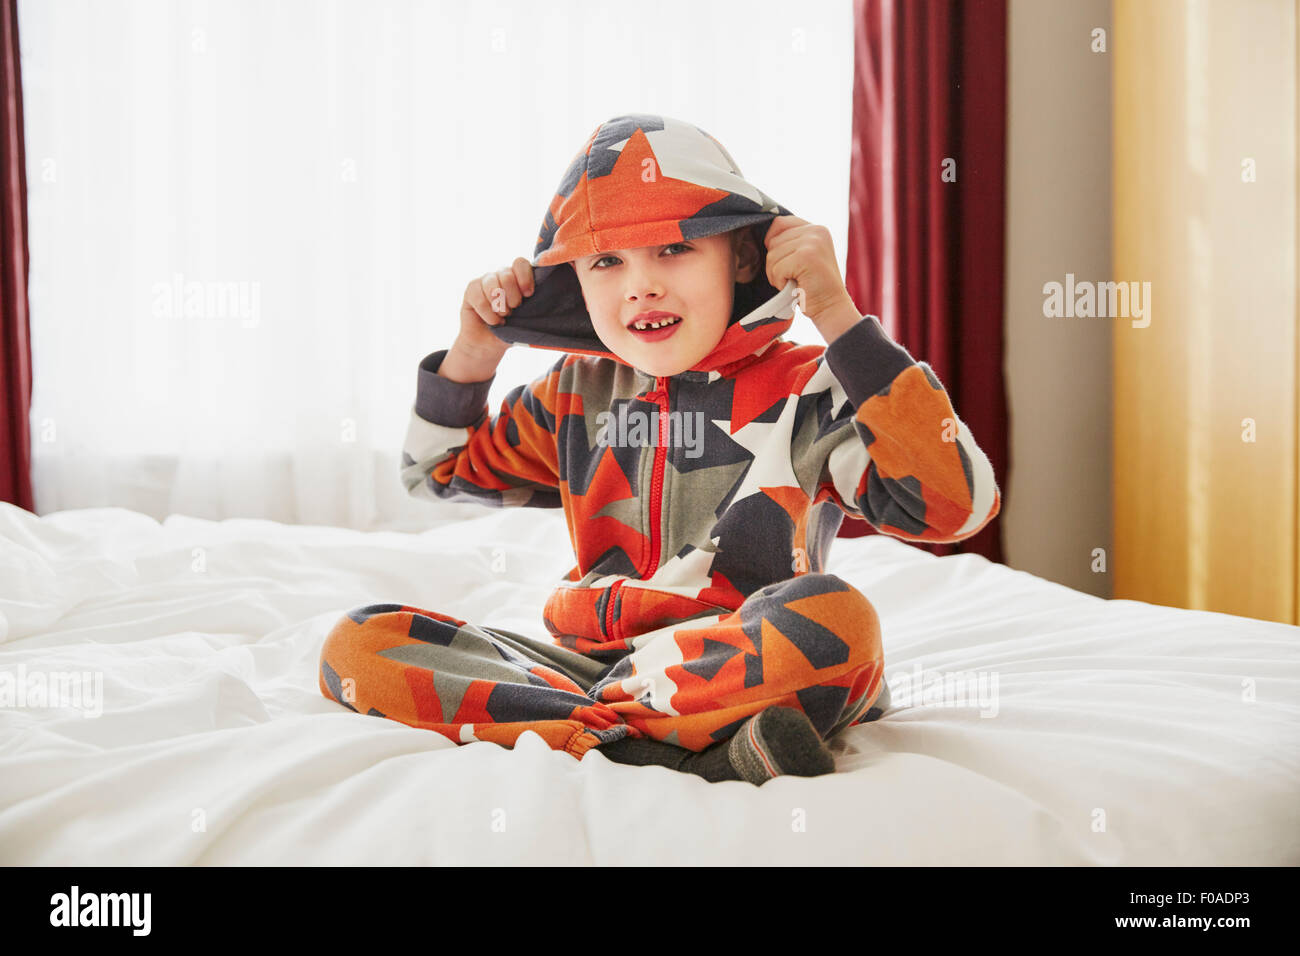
(493, 295)
(480, 296)
(523, 270)
(497, 294)
(780, 225)
(502, 290)
(510, 283)
(778, 268)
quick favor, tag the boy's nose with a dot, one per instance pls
(643, 285)
(645, 293)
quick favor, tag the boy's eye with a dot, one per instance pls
(675, 245)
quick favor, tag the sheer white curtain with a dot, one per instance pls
(249, 221)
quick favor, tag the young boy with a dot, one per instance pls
(704, 466)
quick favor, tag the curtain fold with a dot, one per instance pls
(16, 357)
(926, 209)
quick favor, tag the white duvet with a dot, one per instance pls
(1074, 730)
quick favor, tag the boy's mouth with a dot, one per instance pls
(654, 326)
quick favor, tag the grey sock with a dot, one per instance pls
(710, 763)
(778, 740)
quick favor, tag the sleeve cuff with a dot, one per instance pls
(441, 401)
(865, 359)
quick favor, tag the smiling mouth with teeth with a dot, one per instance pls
(656, 324)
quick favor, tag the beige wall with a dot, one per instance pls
(1058, 491)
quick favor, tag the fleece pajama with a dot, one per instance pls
(811, 642)
(701, 506)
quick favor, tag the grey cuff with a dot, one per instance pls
(441, 401)
(865, 359)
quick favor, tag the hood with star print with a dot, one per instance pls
(644, 180)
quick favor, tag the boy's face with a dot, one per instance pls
(693, 280)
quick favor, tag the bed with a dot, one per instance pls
(1103, 732)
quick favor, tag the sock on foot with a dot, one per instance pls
(778, 740)
(711, 763)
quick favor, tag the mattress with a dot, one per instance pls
(1031, 724)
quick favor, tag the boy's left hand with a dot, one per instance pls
(798, 250)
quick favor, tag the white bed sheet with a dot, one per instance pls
(1125, 733)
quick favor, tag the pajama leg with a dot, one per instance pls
(436, 672)
(811, 642)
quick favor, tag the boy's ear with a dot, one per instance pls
(749, 257)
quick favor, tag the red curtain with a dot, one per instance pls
(926, 205)
(16, 359)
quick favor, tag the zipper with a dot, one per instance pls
(657, 480)
(660, 397)
(609, 607)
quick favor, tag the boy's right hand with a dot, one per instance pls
(488, 301)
